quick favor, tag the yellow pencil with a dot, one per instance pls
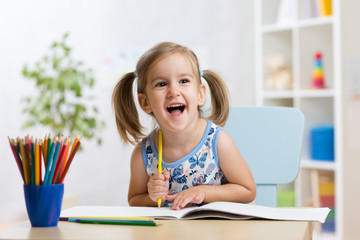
(36, 163)
(160, 161)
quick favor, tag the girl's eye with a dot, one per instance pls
(160, 84)
(184, 81)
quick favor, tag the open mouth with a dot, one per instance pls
(176, 109)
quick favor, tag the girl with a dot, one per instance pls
(200, 160)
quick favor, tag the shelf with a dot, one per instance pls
(276, 28)
(312, 93)
(298, 41)
(304, 23)
(278, 94)
(311, 22)
(319, 165)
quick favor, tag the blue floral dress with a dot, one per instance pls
(201, 166)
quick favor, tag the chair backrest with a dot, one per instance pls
(269, 139)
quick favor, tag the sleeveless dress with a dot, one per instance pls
(200, 166)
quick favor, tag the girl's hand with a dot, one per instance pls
(190, 195)
(158, 186)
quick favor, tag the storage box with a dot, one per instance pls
(322, 143)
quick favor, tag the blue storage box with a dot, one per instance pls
(328, 226)
(322, 143)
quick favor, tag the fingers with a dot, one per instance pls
(171, 197)
(185, 197)
(181, 201)
(166, 175)
(158, 186)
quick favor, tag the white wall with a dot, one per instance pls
(221, 31)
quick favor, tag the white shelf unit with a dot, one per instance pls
(298, 40)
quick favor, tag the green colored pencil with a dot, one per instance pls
(139, 223)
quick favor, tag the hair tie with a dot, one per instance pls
(201, 73)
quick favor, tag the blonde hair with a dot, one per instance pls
(126, 114)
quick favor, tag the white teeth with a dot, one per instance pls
(176, 105)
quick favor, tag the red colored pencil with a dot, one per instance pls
(63, 159)
(68, 162)
(58, 162)
(17, 157)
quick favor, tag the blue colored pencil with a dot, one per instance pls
(53, 164)
(48, 162)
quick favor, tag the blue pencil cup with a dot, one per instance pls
(322, 143)
(43, 204)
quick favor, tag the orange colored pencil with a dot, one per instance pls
(74, 144)
(66, 157)
(68, 163)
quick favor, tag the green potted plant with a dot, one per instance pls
(60, 103)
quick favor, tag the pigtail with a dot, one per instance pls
(126, 114)
(219, 98)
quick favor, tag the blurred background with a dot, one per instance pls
(109, 36)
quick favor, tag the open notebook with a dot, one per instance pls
(222, 210)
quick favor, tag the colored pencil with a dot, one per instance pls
(105, 218)
(28, 154)
(59, 161)
(28, 158)
(48, 161)
(48, 149)
(18, 144)
(41, 147)
(17, 157)
(36, 163)
(68, 162)
(32, 162)
(44, 149)
(17, 152)
(66, 157)
(74, 144)
(119, 222)
(160, 162)
(54, 161)
(108, 219)
(25, 162)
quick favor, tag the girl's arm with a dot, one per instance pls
(141, 184)
(240, 187)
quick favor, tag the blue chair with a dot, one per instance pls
(269, 139)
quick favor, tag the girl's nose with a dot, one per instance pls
(173, 91)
